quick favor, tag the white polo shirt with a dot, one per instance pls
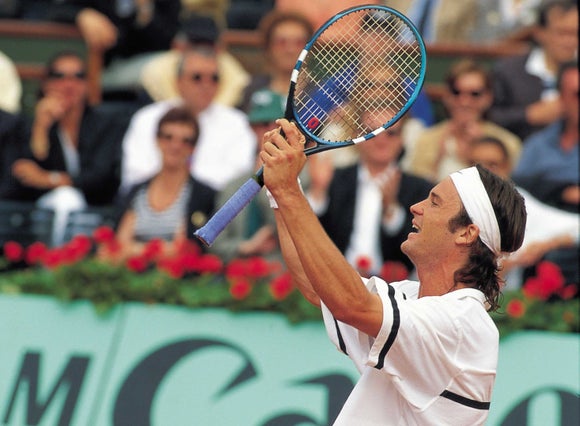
(226, 148)
(433, 362)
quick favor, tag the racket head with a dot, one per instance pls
(366, 65)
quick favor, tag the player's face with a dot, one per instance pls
(198, 82)
(175, 141)
(432, 242)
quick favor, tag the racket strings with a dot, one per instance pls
(374, 74)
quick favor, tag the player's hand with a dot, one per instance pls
(283, 157)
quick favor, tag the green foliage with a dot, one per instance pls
(106, 285)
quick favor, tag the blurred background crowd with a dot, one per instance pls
(179, 116)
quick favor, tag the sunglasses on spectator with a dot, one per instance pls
(58, 75)
(473, 93)
(199, 77)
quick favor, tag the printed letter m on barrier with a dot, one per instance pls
(69, 383)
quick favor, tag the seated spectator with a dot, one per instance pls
(525, 95)
(13, 141)
(160, 73)
(172, 204)
(10, 85)
(443, 148)
(284, 35)
(226, 142)
(498, 20)
(550, 167)
(253, 231)
(547, 229)
(73, 157)
(364, 208)
(443, 21)
(126, 31)
(319, 11)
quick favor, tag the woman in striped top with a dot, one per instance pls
(172, 204)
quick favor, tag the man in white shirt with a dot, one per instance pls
(226, 142)
(427, 351)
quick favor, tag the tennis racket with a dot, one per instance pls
(366, 65)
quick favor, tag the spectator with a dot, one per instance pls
(499, 20)
(126, 31)
(252, 232)
(284, 35)
(443, 148)
(74, 148)
(318, 12)
(159, 74)
(525, 95)
(226, 144)
(549, 166)
(365, 207)
(547, 228)
(13, 140)
(172, 204)
(447, 21)
(10, 85)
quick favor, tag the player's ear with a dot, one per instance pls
(468, 235)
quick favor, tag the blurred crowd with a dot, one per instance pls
(159, 168)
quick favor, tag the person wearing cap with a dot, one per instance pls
(253, 230)
(158, 75)
(427, 350)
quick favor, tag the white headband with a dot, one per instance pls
(478, 206)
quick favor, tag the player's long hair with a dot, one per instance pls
(482, 270)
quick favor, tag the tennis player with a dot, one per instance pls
(427, 351)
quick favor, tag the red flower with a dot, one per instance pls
(363, 264)
(174, 267)
(516, 308)
(13, 251)
(547, 282)
(79, 247)
(257, 267)
(568, 291)
(137, 263)
(53, 258)
(103, 234)
(281, 286)
(393, 271)
(240, 288)
(237, 268)
(153, 249)
(209, 264)
(35, 252)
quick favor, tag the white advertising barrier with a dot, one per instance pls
(62, 364)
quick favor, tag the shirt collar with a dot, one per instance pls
(536, 65)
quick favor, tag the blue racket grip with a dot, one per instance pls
(210, 231)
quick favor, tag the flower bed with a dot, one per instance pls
(193, 279)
